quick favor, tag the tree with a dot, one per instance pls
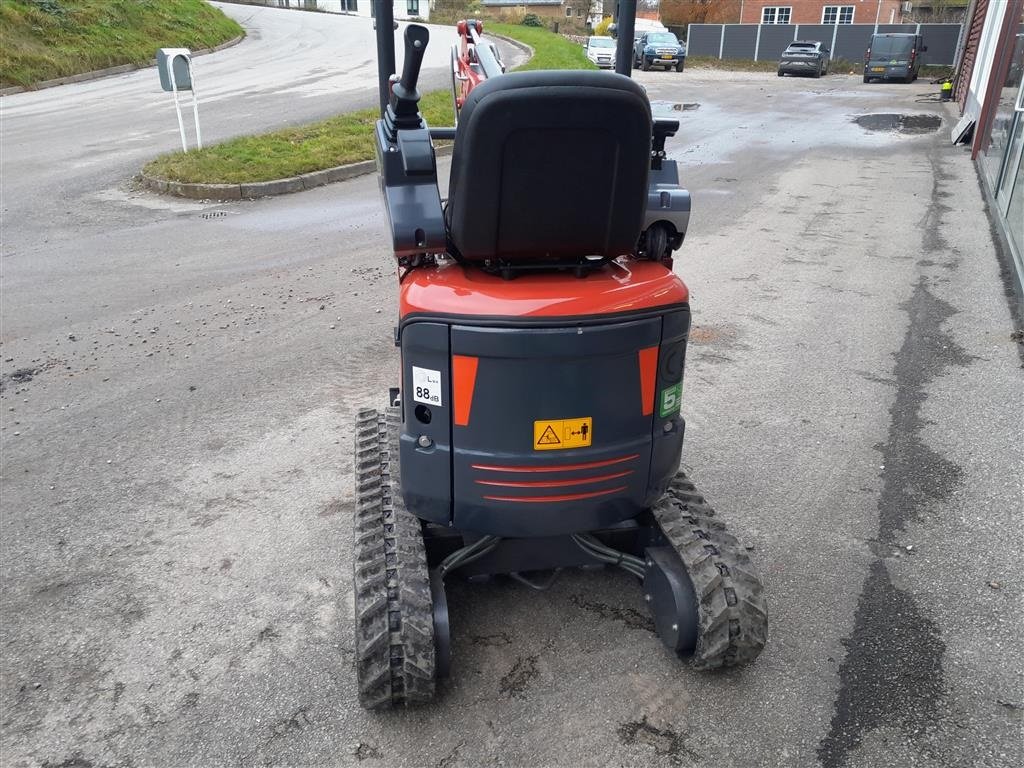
(683, 12)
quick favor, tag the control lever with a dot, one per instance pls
(405, 98)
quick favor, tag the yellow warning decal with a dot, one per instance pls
(559, 434)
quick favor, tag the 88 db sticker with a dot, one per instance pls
(426, 386)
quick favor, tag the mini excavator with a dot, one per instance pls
(543, 336)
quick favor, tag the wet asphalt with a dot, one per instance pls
(179, 382)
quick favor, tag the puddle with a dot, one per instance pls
(899, 123)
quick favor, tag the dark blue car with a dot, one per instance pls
(659, 49)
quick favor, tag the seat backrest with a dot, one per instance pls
(550, 166)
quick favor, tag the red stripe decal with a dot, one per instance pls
(549, 499)
(648, 377)
(559, 468)
(463, 383)
(553, 483)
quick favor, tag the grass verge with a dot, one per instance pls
(289, 152)
(338, 140)
(46, 39)
(550, 51)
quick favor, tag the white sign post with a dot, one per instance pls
(175, 68)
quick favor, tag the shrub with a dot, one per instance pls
(601, 30)
(532, 20)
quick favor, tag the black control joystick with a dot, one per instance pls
(405, 98)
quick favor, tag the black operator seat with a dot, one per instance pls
(550, 166)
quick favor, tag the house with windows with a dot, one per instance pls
(404, 9)
(822, 11)
(580, 11)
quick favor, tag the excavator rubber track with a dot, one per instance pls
(732, 614)
(394, 641)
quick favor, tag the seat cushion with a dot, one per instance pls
(550, 166)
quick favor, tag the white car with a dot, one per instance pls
(601, 51)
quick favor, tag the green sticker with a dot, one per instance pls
(671, 398)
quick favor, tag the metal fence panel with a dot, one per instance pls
(850, 40)
(774, 39)
(740, 40)
(703, 39)
(941, 40)
(822, 32)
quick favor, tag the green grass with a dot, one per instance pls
(550, 51)
(288, 152)
(45, 39)
(339, 140)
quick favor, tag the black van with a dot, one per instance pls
(894, 56)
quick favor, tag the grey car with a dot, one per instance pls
(804, 57)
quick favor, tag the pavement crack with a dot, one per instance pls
(915, 475)
(892, 675)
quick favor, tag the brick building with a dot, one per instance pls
(821, 11)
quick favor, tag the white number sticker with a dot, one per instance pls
(426, 386)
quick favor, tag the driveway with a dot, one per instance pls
(179, 385)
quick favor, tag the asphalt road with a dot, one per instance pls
(61, 144)
(179, 382)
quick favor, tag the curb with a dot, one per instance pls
(255, 189)
(527, 49)
(108, 72)
(252, 190)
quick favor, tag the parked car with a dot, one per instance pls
(893, 56)
(640, 27)
(804, 57)
(601, 51)
(659, 49)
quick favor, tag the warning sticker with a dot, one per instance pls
(426, 386)
(559, 434)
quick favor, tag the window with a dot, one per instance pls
(568, 12)
(776, 14)
(579, 13)
(837, 14)
(412, 7)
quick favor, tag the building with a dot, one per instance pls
(579, 12)
(988, 88)
(821, 11)
(404, 9)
